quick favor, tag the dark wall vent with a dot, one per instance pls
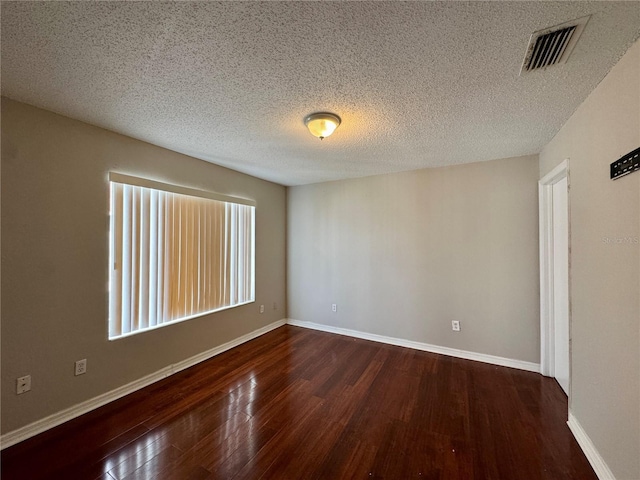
(552, 46)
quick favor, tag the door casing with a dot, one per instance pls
(547, 324)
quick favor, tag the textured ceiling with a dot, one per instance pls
(416, 84)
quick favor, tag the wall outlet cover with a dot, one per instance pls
(81, 367)
(23, 384)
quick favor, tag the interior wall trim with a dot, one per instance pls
(547, 316)
(44, 424)
(452, 352)
(590, 451)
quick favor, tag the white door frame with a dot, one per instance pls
(547, 324)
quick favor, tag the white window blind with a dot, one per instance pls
(176, 254)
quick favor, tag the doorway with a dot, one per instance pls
(555, 339)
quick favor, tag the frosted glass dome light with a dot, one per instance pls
(322, 124)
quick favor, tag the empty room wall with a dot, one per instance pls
(403, 255)
(605, 265)
(55, 254)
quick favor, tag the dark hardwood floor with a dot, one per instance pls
(301, 404)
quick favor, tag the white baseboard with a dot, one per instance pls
(590, 451)
(452, 352)
(39, 426)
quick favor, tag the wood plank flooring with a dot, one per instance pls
(301, 404)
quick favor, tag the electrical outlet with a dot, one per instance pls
(23, 384)
(81, 367)
(261, 308)
(455, 325)
(334, 307)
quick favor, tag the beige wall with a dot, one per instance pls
(54, 261)
(404, 254)
(605, 264)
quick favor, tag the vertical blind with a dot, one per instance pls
(175, 256)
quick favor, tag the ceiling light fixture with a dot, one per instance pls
(322, 124)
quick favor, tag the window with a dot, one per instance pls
(175, 254)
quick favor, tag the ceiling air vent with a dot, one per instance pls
(552, 46)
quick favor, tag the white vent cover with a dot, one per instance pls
(552, 46)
